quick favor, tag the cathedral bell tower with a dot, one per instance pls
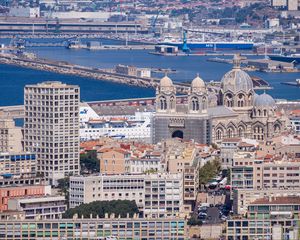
(198, 97)
(166, 96)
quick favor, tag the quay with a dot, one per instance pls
(295, 84)
(95, 73)
(101, 47)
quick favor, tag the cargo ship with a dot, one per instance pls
(210, 46)
(295, 58)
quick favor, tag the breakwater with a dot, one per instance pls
(62, 67)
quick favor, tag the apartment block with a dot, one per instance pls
(7, 193)
(156, 195)
(96, 228)
(51, 128)
(250, 172)
(182, 157)
(143, 165)
(163, 195)
(10, 136)
(45, 207)
(227, 149)
(10, 182)
(86, 189)
(242, 198)
(17, 165)
(268, 218)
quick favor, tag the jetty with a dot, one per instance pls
(67, 68)
(295, 84)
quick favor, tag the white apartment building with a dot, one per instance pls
(45, 207)
(142, 165)
(10, 136)
(163, 195)
(51, 128)
(156, 195)
(106, 187)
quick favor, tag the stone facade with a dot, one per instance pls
(236, 111)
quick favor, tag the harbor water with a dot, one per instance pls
(14, 78)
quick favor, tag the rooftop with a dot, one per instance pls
(277, 200)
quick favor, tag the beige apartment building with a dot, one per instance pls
(10, 136)
(243, 197)
(113, 160)
(182, 157)
(249, 172)
(51, 128)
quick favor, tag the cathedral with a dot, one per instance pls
(233, 110)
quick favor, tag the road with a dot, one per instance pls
(213, 215)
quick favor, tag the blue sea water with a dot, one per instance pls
(13, 79)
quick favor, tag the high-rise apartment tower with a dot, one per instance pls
(51, 128)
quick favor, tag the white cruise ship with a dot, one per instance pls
(93, 126)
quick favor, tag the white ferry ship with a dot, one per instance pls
(93, 126)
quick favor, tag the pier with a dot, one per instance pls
(95, 73)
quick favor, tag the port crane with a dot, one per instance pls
(153, 22)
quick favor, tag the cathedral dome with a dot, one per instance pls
(237, 80)
(166, 82)
(264, 100)
(198, 83)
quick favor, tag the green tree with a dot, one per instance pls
(209, 171)
(89, 162)
(63, 186)
(100, 208)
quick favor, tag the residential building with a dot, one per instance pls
(86, 189)
(277, 172)
(281, 228)
(51, 128)
(112, 160)
(17, 165)
(243, 197)
(11, 192)
(10, 136)
(143, 165)
(33, 180)
(227, 149)
(45, 207)
(95, 228)
(182, 157)
(268, 218)
(163, 195)
(295, 121)
(156, 195)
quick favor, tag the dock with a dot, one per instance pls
(84, 46)
(295, 84)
